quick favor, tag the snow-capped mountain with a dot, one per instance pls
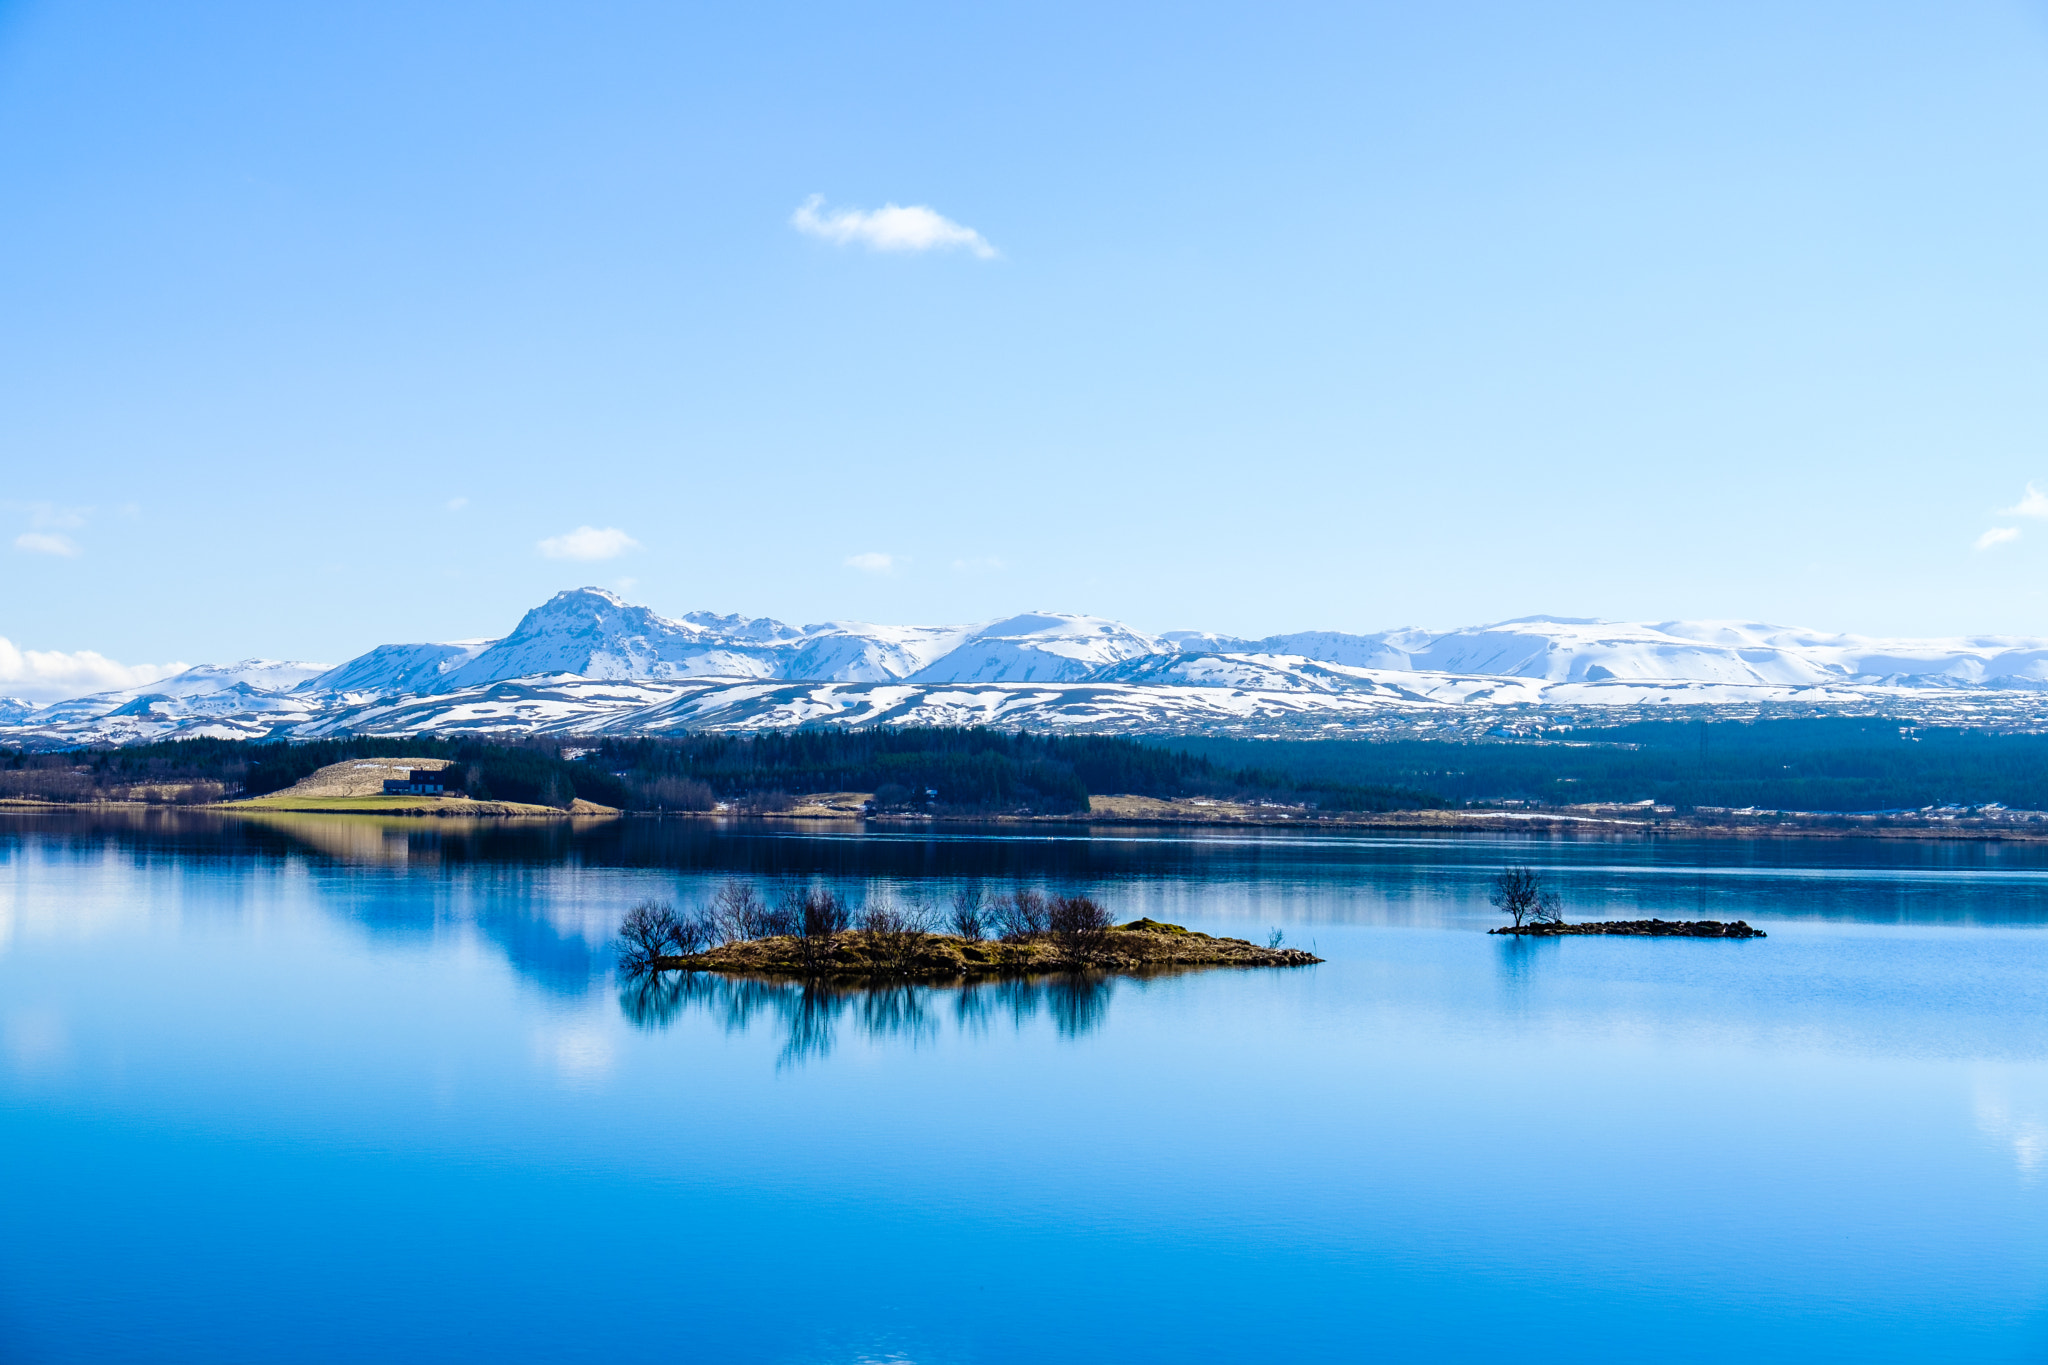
(588, 661)
(591, 633)
(1040, 647)
(230, 701)
(1570, 649)
(263, 675)
(397, 668)
(252, 685)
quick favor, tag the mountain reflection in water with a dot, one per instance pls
(810, 1014)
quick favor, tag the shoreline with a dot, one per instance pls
(1547, 821)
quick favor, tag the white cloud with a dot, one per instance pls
(981, 564)
(873, 562)
(47, 522)
(51, 675)
(1997, 535)
(891, 227)
(2034, 504)
(457, 504)
(587, 542)
(46, 543)
(45, 515)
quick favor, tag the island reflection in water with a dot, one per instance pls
(811, 1014)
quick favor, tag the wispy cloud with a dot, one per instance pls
(588, 542)
(980, 564)
(457, 504)
(46, 516)
(47, 524)
(46, 543)
(46, 675)
(873, 562)
(891, 227)
(2034, 504)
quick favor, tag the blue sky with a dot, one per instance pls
(318, 323)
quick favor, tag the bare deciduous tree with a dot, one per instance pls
(677, 793)
(693, 934)
(737, 911)
(648, 931)
(1519, 893)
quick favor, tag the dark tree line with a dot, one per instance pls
(962, 769)
(1820, 764)
(942, 769)
(1808, 764)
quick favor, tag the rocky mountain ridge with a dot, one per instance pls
(587, 660)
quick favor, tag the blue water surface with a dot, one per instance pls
(335, 1089)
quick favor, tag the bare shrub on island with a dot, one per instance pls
(969, 917)
(1079, 926)
(1021, 915)
(895, 933)
(785, 918)
(820, 917)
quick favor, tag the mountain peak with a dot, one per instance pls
(587, 598)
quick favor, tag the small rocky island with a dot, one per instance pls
(813, 934)
(1645, 928)
(1538, 912)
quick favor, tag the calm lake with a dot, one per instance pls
(334, 1089)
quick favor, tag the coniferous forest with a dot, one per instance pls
(948, 770)
(1820, 765)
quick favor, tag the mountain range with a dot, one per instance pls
(587, 661)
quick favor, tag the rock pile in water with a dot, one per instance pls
(1645, 928)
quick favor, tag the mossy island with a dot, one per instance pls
(812, 934)
(1140, 946)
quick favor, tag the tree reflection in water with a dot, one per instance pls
(809, 1013)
